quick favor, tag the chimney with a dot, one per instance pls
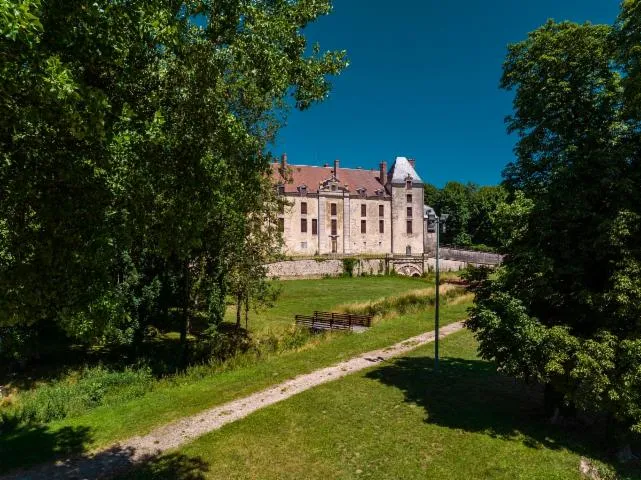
(283, 161)
(412, 163)
(383, 172)
(336, 164)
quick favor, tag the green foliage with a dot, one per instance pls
(348, 266)
(564, 309)
(76, 394)
(133, 162)
(471, 209)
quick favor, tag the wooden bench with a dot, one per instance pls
(333, 321)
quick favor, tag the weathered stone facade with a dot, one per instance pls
(351, 211)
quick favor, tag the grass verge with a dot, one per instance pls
(201, 388)
(397, 420)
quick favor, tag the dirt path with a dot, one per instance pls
(124, 455)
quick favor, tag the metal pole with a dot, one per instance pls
(436, 302)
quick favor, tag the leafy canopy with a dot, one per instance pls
(132, 150)
(565, 307)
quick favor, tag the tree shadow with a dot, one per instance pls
(117, 462)
(171, 466)
(470, 395)
(33, 444)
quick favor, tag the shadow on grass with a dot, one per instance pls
(171, 466)
(470, 395)
(116, 462)
(28, 445)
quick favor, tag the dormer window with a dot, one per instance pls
(302, 189)
(379, 193)
(408, 183)
(362, 191)
(280, 189)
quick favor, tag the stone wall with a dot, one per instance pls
(404, 265)
(470, 256)
(401, 240)
(319, 268)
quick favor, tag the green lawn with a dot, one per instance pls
(396, 421)
(305, 296)
(180, 396)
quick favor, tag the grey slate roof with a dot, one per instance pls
(399, 171)
(427, 210)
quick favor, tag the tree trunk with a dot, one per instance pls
(184, 327)
(239, 304)
(246, 312)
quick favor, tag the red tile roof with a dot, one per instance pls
(312, 176)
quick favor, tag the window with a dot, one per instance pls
(314, 226)
(303, 225)
(303, 208)
(281, 207)
(363, 226)
(381, 226)
(281, 224)
(409, 212)
(334, 246)
(409, 198)
(363, 210)
(408, 184)
(332, 209)
(381, 210)
(281, 189)
(408, 250)
(303, 245)
(409, 226)
(334, 227)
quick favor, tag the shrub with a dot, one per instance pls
(348, 266)
(75, 394)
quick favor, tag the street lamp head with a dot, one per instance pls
(444, 217)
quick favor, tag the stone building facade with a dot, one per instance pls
(351, 211)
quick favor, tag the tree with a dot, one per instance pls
(431, 194)
(133, 142)
(455, 200)
(564, 309)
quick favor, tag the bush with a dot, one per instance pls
(75, 394)
(348, 266)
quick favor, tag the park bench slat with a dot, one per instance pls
(333, 321)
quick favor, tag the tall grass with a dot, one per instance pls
(76, 393)
(413, 301)
(79, 392)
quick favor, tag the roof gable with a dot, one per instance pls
(400, 170)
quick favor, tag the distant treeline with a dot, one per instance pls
(471, 210)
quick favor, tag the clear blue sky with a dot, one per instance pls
(423, 83)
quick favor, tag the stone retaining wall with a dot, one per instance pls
(470, 256)
(293, 269)
(320, 268)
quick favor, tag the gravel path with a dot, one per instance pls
(124, 455)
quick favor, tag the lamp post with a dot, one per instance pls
(437, 221)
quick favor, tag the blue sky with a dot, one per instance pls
(423, 83)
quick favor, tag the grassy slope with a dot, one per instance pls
(305, 296)
(398, 420)
(184, 396)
